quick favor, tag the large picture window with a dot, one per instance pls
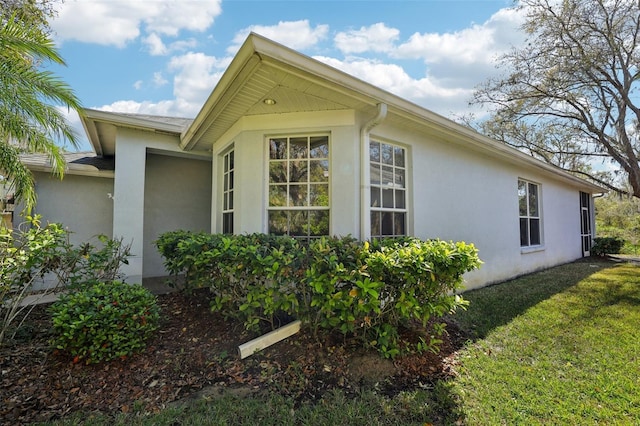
(529, 205)
(227, 192)
(388, 170)
(299, 186)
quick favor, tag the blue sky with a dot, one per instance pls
(164, 57)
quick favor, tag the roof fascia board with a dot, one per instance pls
(132, 122)
(243, 65)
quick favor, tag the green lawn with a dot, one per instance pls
(572, 357)
(558, 347)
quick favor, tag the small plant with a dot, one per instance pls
(606, 245)
(104, 321)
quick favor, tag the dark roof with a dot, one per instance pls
(81, 158)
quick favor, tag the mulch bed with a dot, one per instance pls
(195, 351)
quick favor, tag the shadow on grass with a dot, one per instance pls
(496, 305)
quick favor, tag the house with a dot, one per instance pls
(288, 145)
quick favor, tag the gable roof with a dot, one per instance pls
(263, 69)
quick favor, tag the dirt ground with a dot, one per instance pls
(195, 352)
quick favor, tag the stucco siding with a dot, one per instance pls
(177, 195)
(80, 203)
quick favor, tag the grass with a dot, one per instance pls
(572, 357)
(557, 347)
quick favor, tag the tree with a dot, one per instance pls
(570, 94)
(30, 96)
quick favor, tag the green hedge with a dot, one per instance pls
(606, 245)
(362, 289)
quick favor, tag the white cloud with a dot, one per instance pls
(159, 80)
(155, 44)
(294, 34)
(426, 91)
(117, 22)
(138, 84)
(377, 38)
(478, 44)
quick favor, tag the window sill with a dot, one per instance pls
(532, 249)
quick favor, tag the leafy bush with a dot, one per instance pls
(33, 251)
(361, 289)
(104, 321)
(606, 245)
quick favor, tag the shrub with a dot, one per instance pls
(360, 289)
(606, 245)
(104, 321)
(34, 251)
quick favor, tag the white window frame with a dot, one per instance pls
(531, 215)
(309, 183)
(392, 198)
(228, 190)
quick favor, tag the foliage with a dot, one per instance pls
(606, 245)
(36, 253)
(568, 94)
(360, 289)
(560, 353)
(104, 321)
(29, 97)
(619, 217)
(23, 258)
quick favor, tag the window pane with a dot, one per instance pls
(398, 224)
(533, 200)
(225, 183)
(230, 180)
(534, 232)
(319, 195)
(225, 167)
(319, 147)
(387, 223)
(398, 179)
(319, 171)
(524, 232)
(386, 176)
(278, 149)
(375, 197)
(298, 148)
(231, 160)
(386, 154)
(225, 201)
(375, 174)
(227, 223)
(387, 198)
(230, 194)
(278, 195)
(375, 224)
(398, 154)
(318, 223)
(400, 202)
(374, 151)
(298, 171)
(522, 198)
(278, 222)
(277, 172)
(298, 223)
(298, 195)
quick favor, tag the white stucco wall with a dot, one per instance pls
(80, 203)
(129, 191)
(177, 196)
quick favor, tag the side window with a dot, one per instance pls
(228, 168)
(530, 215)
(388, 176)
(299, 186)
